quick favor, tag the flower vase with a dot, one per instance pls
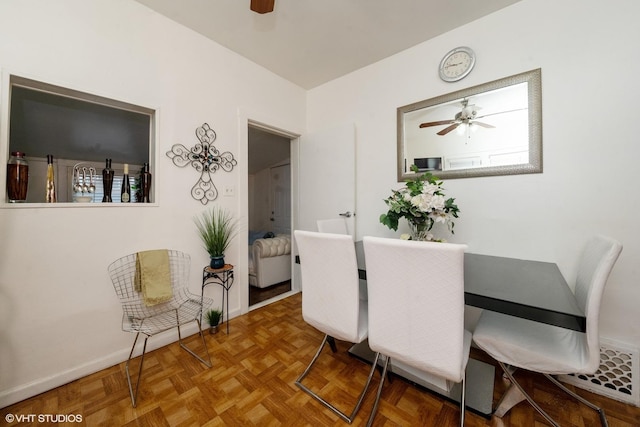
(17, 177)
(420, 231)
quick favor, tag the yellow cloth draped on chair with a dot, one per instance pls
(153, 276)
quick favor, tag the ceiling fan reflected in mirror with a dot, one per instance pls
(467, 116)
(262, 6)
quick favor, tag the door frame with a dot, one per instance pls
(268, 124)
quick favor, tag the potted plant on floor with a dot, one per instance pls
(216, 227)
(213, 317)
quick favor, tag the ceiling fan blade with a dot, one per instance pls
(448, 129)
(501, 112)
(484, 125)
(440, 123)
(262, 6)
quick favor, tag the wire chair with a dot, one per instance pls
(138, 318)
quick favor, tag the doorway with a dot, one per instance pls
(269, 188)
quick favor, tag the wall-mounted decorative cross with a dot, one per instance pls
(206, 159)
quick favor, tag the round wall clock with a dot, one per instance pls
(457, 64)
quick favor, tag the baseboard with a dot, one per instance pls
(33, 388)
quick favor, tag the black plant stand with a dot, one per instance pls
(223, 277)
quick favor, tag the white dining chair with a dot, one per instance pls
(416, 308)
(333, 225)
(330, 299)
(547, 349)
(339, 226)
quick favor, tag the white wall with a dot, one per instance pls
(590, 139)
(59, 316)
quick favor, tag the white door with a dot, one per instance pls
(281, 199)
(326, 182)
(327, 177)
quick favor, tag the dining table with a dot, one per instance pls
(529, 289)
(533, 290)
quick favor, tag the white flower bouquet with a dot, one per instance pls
(423, 203)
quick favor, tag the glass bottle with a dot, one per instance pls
(145, 184)
(107, 182)
(17, 177)
(125, 192)
(50, 196)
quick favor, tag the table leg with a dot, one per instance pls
(202, 297)
(509, 399)
(226, 291)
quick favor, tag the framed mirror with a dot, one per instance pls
(491, 129)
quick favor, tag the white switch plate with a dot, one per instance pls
(228, 192)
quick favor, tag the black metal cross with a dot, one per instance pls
(206, 159)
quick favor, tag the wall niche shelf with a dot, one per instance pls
(74, 127)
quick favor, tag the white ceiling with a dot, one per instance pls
(310, 42)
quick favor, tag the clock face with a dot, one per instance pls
(457, 64)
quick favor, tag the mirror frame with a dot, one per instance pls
(534, 90)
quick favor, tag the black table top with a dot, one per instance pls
(532, 290)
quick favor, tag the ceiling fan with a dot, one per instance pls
(468, 116)
(262, 6)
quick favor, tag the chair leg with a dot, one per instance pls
(208, 363)
(462, 400)
(134, 396)
(600, 411)
(374, 410)
(347, 418)
(603, 418)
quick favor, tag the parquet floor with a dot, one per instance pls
(257, 295)
(252, 384)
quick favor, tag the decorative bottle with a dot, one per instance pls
(50, 196)
(145, 184)
(107, 182)
(125, 193)
(17, 177)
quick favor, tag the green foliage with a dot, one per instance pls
(213, 316)
(422, 202)
(216, 227)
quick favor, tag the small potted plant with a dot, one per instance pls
(213, 317)
(216, 227)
